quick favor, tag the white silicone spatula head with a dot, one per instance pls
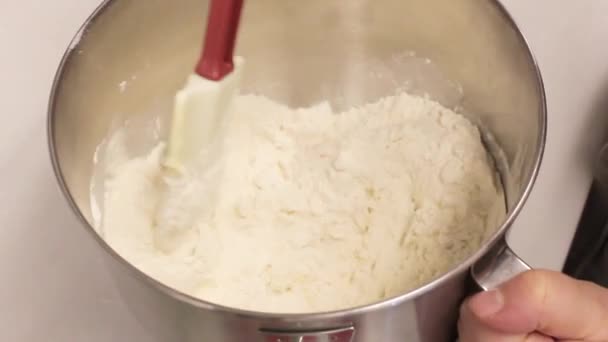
(201, 103)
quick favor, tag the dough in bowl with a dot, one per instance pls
(308, 210)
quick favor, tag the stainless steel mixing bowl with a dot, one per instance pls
(131, 56)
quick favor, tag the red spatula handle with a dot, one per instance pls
(222, 25)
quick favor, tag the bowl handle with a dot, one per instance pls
(497, 266)
(335, 335)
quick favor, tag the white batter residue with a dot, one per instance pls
(308, 210)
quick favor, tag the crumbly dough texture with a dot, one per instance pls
(307, 210)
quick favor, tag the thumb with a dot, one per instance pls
(546, 302)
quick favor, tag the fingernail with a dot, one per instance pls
(487, 303)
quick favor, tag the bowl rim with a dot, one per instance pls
(297, 317)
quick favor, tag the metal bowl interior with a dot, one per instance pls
(130, 57)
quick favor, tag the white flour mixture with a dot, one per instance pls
(309, 210)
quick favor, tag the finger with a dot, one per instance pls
(471, 329)
(547, 302)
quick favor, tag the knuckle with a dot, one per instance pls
(534, 276)
(536, 283)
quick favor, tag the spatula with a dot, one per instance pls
(198, 112)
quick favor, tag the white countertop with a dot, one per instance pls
(55, 286)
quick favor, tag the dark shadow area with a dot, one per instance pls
(588, 256)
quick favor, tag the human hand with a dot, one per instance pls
(537, 306)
